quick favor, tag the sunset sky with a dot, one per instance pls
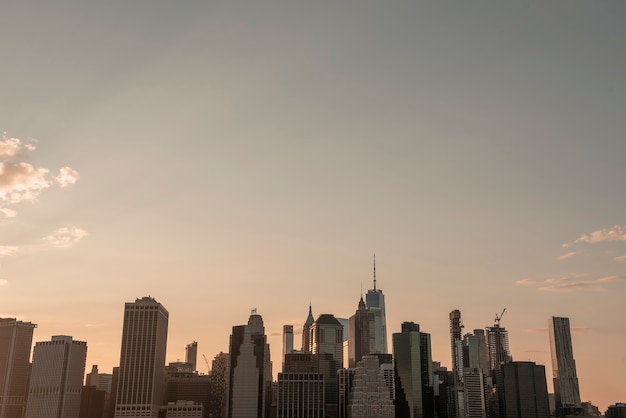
(221, 156)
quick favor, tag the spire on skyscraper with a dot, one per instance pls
(374, 271)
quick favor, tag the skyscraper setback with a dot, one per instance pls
(141, 381)
(566, 391)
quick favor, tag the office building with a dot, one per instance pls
(521, 391)
(362, 338)
(306, 333)
(476, 393)
(191, 354)
(300, 394)
(287, 342)
(218, 380)
(56, 380)
(326, 342)
(616, 411)
(16, 338)
(184, 385)
(413, 373)
(249, 379)
(141, 375)
(566, 391)
(93, 402)
(184, 409)
(369, 397)
(375, 301)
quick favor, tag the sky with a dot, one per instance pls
(227, 156)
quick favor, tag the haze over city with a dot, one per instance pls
(222, 157)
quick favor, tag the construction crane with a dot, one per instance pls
(498, 318)
(207, 364)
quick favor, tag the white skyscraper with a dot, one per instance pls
(57, 378)
(375, 301)
(249, 371)
(141, 381)
(370, 396)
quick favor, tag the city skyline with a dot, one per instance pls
(226, 157)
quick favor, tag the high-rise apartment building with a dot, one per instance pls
(249, 379)
(191, 354)
(141, 376)
(287, 342)
(413, 373)
(56, 380)
(498, 346)
(375, 301)
(566, 391)
(16, 338)
(369, 396)
(362, 338)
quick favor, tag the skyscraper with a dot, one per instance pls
(56, 380)
(521, 391)
(306, 343)
(287, 342)
(326, 341)
(456, 347)
(218, 377)
(300, 387)
(375, 301)
(369, 396)
(498, 345)
(250, 371)
(362, 338)
(566, 391)
(413, 373)
(141, 381)
(16, 338)
(191, 354)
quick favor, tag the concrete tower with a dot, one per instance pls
(249, 371)
(16, 338)
(141, 380)
(566, 391)
(56, 380)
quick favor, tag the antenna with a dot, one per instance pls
(374, 271)
(498, 318)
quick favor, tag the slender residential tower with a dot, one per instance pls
(16, 338)
(566, 391)
(375, 301)
(191, 354)
(141, 381)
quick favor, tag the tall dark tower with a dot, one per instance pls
(566, 391)
(16, 338)
(141, 381)
(362, 338)
(375, 301)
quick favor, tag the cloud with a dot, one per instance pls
(574, 282)
(67, 177)
(65, 237)
(3, 282)
(9, 147)
(566, 255)
(524, 282)
(21, 181)
(620, 258)
(7, 213)
(7, 250)
(614, 233)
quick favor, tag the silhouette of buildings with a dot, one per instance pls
(566, 391)
(300, 387)
(287, 343)
(306, 343)
(250, 371)
(362, 339)
(191, 354)
(16, 338)
(326, 341)
(218, 378)
(56, 380)
(141, 379)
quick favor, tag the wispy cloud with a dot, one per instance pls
(7, 213)
(567, 255)
(573, 283)
(7, 250)
(620, 258)
(614, 233)
(64, 237)
(10, 147)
